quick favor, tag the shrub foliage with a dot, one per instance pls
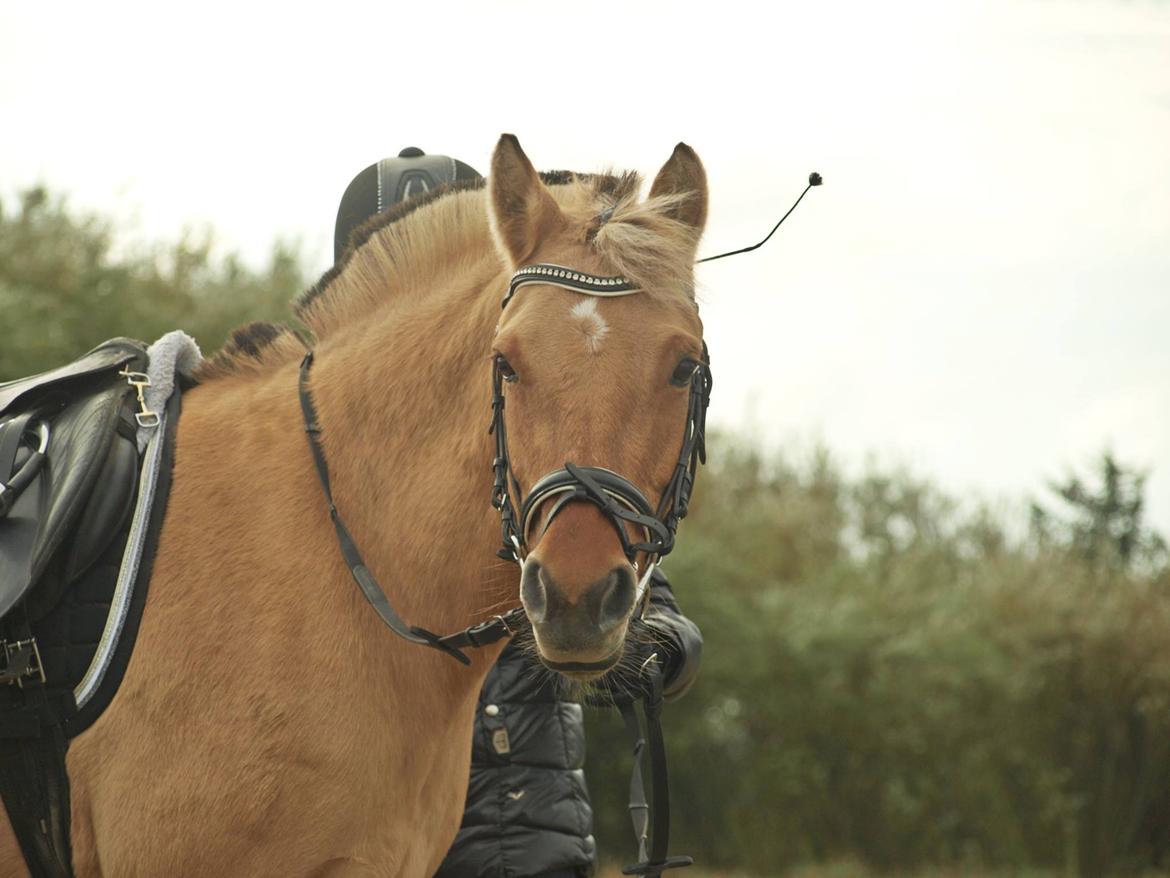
(67, 283)
(892, 678)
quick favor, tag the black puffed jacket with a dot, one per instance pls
(528, 811)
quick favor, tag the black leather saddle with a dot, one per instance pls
(68, 470)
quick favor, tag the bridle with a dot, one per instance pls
(617, 497)
(619, 500)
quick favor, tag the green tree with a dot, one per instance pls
(1104, 522)
(66, 285)
(889, 677)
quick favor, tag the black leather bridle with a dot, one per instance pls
(622, 503)
(619, 499)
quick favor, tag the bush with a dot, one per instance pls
(889, 677)
(65, 287)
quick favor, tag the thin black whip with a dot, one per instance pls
(814, 179)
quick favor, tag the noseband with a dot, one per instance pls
(617, 497)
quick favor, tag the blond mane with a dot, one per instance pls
(402, 251)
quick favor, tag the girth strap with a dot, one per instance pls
(33, 783)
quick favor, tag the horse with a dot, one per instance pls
(268, 723)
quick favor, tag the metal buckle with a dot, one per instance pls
(22, 659)
(504, 622)
(139, 380)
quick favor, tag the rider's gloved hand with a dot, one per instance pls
(651, 649)
(662, 638)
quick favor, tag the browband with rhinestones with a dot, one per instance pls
(567, 278)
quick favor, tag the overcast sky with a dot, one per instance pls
(981, 290)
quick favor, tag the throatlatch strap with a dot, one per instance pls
(493, 630)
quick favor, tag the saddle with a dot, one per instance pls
(63, 434)
(80, 512)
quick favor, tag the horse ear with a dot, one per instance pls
(523, 211)
(683, 176)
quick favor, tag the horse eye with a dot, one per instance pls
(681, 376)
(506, 370)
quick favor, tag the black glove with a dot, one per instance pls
(651, 650)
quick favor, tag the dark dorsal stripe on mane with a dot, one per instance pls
(604, 184)
(364, 231)
(250, 340)
(247, 345)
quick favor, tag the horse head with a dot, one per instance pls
(600, 365)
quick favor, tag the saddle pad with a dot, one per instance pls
(68, 640)
(85, 641)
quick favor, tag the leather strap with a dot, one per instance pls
(597, 486)
(15, 479)
(33, 781)
(651, 826)
(482, 634)
(617, 497)
(639, 808)
(11, 434)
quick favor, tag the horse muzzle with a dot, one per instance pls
(580, 630)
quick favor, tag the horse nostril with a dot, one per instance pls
(617, 597)
(532, 591)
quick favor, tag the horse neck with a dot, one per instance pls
(404, 402)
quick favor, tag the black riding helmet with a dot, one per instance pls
(389, 181)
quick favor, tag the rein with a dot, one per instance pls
(483, 634)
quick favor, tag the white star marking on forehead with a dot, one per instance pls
(593, 325)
